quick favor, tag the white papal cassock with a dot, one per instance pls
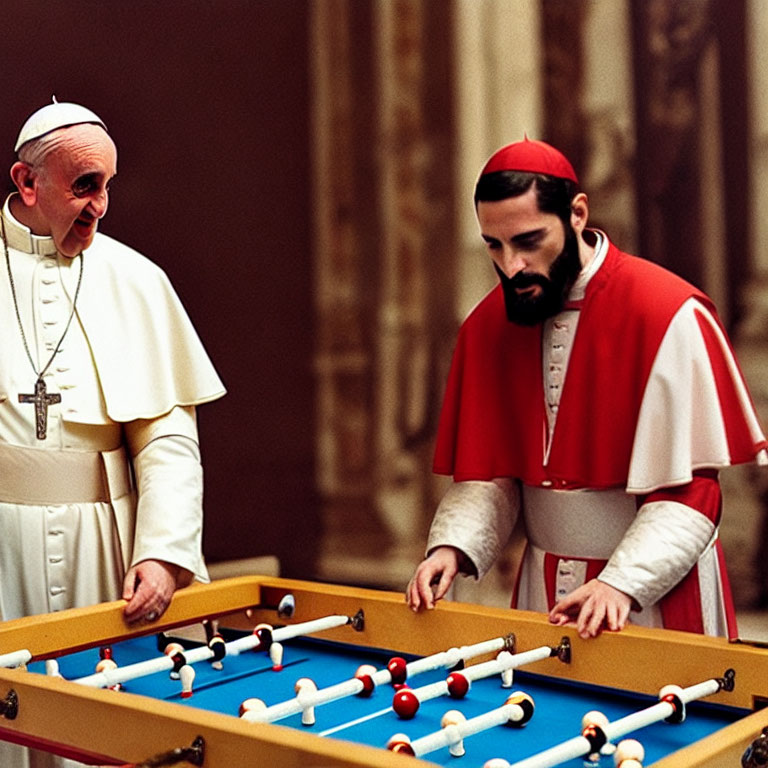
(118, 478)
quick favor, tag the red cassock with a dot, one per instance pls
(614, 428)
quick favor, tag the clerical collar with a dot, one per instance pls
(21, 238)
(601, 249)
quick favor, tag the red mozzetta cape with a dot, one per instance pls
(493, 422)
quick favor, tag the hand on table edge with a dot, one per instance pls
(433, 577)
(593, 607)
(148, 587)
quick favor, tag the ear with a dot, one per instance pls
(24, 179)
(579, 212)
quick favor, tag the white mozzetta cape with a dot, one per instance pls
(147, 353)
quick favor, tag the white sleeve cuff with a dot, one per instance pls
(476, 517)
(660, 547)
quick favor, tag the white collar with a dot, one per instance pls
(21, 238)
(601, 249)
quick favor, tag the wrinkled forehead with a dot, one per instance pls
(81, 148)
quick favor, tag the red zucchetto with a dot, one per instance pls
(531, 156)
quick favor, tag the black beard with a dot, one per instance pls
(524, 309)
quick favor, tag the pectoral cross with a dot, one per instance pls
(42, 400)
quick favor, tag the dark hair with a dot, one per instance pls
(553, 194)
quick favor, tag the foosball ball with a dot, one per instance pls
(276, 672)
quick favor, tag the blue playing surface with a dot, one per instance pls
(560, 705)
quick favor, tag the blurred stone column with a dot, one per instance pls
(344, 262)
(669, 40)
(608, 121)
(749, 536)
(416, 155)
(385, 255)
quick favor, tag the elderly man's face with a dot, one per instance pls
(535, 254)
(72, 186)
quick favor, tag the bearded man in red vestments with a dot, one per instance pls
(597, 395)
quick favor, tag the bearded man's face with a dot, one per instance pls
(535, 254)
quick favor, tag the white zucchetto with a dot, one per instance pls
(53, 116)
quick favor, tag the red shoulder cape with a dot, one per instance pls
(493, 420)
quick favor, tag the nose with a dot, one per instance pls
(99, 203)
(510, 262)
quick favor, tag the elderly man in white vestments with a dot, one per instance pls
(100, 374)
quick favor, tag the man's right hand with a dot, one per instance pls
(432, 579)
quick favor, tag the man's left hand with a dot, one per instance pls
(148, 587)
(594, 606)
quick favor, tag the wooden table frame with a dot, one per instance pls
(67, 716)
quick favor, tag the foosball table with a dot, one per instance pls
(263, 671)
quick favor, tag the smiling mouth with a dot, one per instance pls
(85, 225)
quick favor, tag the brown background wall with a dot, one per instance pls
(208, 103)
